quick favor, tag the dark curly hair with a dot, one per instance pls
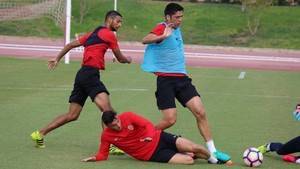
(108, 117)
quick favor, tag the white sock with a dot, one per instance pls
(297, 161)
(211, 146)
(268, 146)
(212, 159)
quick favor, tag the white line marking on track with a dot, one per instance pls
(188, 54)
(68, 89)
(146, 90)
(252, 95)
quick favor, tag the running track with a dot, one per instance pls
(197, 56)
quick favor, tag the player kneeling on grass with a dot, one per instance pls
(137, 137)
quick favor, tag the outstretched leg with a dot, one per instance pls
(291, 146)
(184, 145)
(196, 106)
(71, 115)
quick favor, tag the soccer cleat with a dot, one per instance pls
(289, 158)
(37, 137)
(222, 157)
(113, 150)
(263, 148)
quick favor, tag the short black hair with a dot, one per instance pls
(172, 8)
(112, 14)
(297, 105)
(108, 117)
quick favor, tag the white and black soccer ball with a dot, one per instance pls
(252, 157)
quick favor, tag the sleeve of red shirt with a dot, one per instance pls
(110, 38)
(158, 29)
(142, 122)
(103, 149)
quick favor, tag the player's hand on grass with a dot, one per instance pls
(89, 159)
(147, 139)
(52, 64)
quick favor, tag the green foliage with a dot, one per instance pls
(204, 24)
(254, 11)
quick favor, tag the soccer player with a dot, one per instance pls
(87, 81)
(164, 56)
(296, 113)
(287, 149)
(138, 137)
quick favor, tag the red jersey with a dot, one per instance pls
(133, 129)
(159, 30)
(94, 54)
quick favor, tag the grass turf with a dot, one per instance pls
(242, 113)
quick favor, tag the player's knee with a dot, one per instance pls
(200, 115)
(104, 106)
(171, 121)
(72, 117)
(194, 148)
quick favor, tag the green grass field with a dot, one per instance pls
(204, 24)
(242, 113)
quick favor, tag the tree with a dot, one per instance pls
(254, 10)
(83, 10)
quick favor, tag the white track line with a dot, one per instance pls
(29, 46)
(251, 95)
(147, 90)
(30, 49)
(68, 89)
(188, 54)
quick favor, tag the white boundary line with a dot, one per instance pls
(145, 90)
(69, 89)
(250, 95)
(188, 54)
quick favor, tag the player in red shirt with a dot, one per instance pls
(87, 80)
(138, 137)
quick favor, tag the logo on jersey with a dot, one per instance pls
(130, 127)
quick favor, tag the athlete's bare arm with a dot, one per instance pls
(52, 63)
(120, 57)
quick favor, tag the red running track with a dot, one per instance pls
(196, 56)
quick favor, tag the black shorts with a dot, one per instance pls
(169, 88)
(87, 83)
(165, 149)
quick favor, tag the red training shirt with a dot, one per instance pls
(94, 55)
(133, 129)
(159, 30)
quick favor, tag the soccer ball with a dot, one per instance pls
(252, 157)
